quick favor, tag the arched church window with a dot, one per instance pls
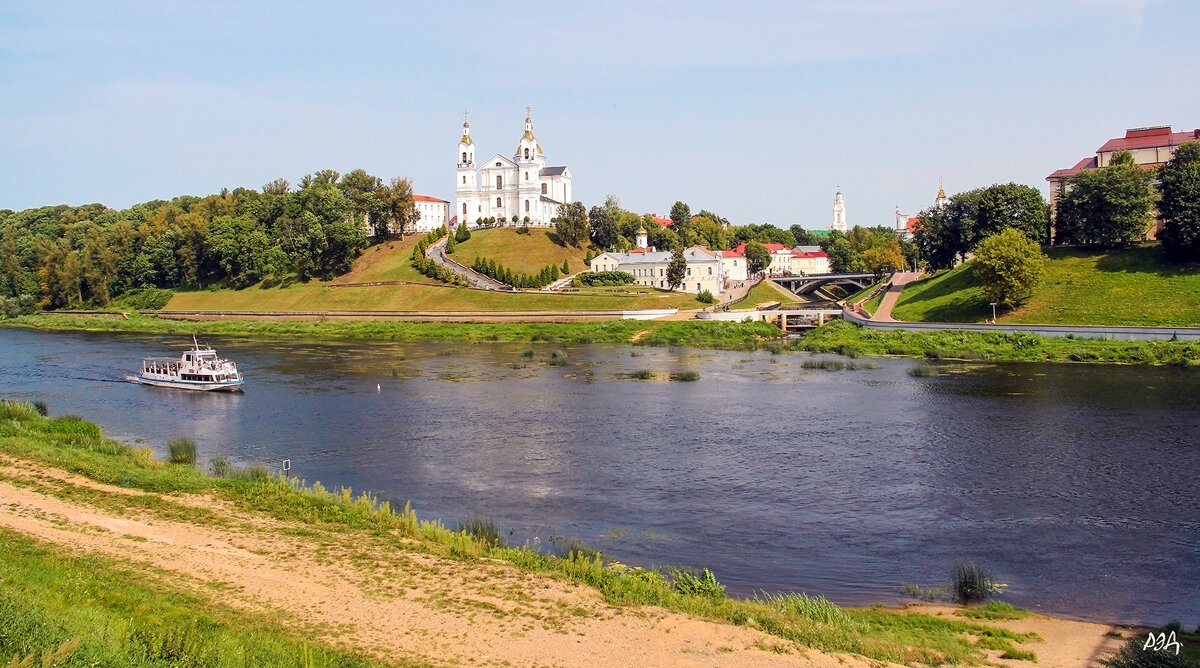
(464, 156)
(526, 154)
(526, 206)
(543, 188)
(498, 201)
(499, 181)
(464, 178)
(526, 176)
(464, 208)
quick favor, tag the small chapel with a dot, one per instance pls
(513, 191)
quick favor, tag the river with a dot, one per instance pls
(1076, 485)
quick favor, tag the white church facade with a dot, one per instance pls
(513, 191)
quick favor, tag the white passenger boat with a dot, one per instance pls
(196, 369)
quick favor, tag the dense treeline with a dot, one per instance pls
(68, 256)
(946, 235)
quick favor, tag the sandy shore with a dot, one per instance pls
(404, 604)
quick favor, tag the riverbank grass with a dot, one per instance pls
(692, 333)
(365, 527)
(843, 338)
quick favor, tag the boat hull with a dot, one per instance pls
(200, 386)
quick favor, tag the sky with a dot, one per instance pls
(759, 112)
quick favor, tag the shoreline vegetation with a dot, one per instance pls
(837, 337)
(110, 608)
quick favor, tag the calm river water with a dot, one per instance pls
(1076, 485)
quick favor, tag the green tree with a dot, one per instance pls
(361, 191)
(571, 225)
(397, 209)
(946, 236)
(680, 214)
(803, 237)
(450, 245)
(758, 258)
(566, 267)
(277, 187)
(1008, 267)
(884, 259)
(603, 221)
(1179, 208)
(676, 269)
(462, 233)
(842, 256)
(1107, 207)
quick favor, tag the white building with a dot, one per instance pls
(517, 190)
(434, 213)
(839, 213)
(649, 267)
(801, 260)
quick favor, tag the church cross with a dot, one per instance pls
(528, 109)
(466, 116)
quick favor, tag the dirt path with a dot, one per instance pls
(389, 603)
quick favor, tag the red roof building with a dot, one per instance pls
(1151, 148)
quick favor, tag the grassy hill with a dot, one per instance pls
(1131, 286)
(527, 253)
(391, 261)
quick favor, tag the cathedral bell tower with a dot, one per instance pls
(530, 161)
(941, 200)
(839, 213)
(466, 193)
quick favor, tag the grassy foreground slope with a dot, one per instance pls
(1131, 286)
(330, 578)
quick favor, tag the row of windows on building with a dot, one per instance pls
(662, 272)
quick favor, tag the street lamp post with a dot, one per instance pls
(993, 312)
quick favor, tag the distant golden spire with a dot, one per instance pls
(941, 190)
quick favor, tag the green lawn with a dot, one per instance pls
(527, 253)
(389, 261)
(1132, 286)
(948, 296)
(316, 296)
(767, 291)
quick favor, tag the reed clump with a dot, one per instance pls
(181, 451)
(924, 371)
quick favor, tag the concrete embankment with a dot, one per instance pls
(421, 316)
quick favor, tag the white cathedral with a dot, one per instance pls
(517, 191)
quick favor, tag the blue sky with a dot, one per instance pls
(759, 111)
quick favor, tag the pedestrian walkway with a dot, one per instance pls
(899, 280)
(437, 253)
